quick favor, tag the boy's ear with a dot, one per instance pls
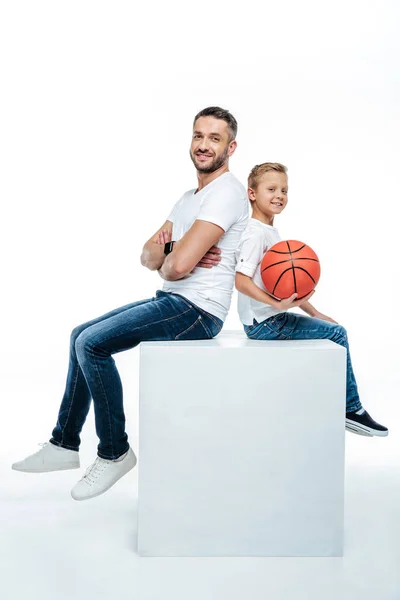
(251, 194)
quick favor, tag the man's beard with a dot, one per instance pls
(215, 164)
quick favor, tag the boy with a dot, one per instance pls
(265, 318)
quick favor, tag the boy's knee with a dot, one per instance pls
(341, 331)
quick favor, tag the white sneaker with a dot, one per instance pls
(102, 475)
(48, 458)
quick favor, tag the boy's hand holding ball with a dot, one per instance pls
(292, 302)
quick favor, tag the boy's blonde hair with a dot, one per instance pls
(258, 171)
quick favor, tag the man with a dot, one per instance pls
(194, 252)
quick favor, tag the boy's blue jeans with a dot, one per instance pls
(92, 372)
(292, 326)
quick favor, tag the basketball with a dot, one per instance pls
(290, 267)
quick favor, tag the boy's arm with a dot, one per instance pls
(308, 308)
(246, 285)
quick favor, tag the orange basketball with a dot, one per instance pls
(290, 267)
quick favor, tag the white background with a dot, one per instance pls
(97, 104)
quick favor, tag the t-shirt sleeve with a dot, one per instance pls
(223, 206)
(250, 252)
(172, 214)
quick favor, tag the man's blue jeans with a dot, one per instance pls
(292, 326)
(92, 372)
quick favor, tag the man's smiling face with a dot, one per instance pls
(210, 145)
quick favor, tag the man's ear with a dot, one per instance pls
(232, 147)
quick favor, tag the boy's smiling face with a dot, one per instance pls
(270, 196)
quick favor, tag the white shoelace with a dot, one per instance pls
(95, 470)
(42, 446)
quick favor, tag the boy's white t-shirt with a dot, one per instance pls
(223, 202)
(257, 238)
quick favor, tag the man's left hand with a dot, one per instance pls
(164, 237)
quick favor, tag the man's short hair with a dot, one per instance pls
(258, 171)
(220, 113)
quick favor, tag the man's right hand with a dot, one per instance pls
(288, 303)
(210, 259)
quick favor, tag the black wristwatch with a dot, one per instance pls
(168, 247)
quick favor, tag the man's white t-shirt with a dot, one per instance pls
(257, 238)
(223, 202)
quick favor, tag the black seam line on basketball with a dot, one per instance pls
(305, 271)
(277, 263)
(287, 260)
(279, 278)
(285, 271)
(290, 251)
(294, 273)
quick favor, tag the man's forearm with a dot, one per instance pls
(171, 269)
(152, 256)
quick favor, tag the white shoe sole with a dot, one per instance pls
(363, 429)
(49, 469)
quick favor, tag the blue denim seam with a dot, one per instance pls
(206, 328)
(113, 457)
(189, 328)
(215, 322)
(212, 317)
(99, 376)
(70, 404)
(252, 331)
(67, 446)
(105, 396)
(73, 395)
(149, 325)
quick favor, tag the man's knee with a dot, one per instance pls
(81, 338)
(75, 333)
(82, 342)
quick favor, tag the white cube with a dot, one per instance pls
(241, 447)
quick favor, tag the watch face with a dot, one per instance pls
(168, 247)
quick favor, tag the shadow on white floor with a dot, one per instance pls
(53, 547)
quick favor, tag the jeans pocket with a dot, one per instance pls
(253, 330)
(195, 331)
(206, 327)
(277, 323)
(211, 323)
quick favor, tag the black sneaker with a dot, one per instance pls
(364, 425)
